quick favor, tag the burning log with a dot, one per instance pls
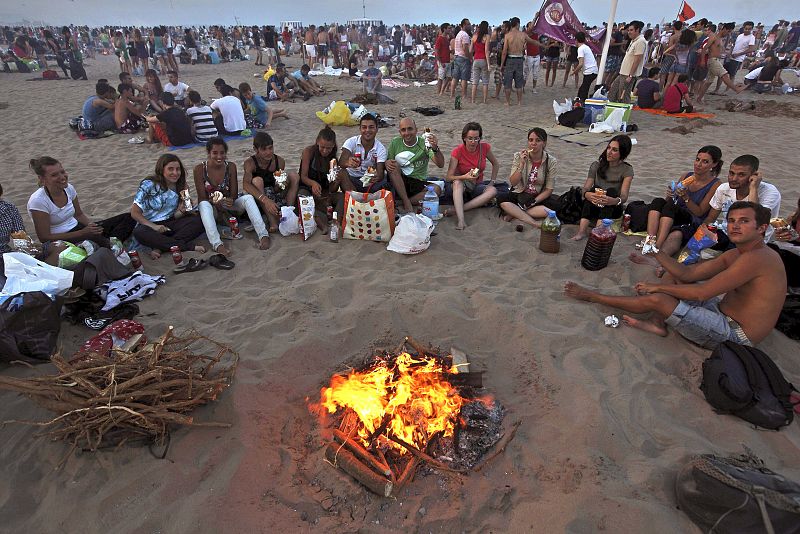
(436, 464)
(474, 380)
(347, 462)
(362, 454)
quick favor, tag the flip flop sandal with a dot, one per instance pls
(218, 261)
(190, 266)
(73, 295)
(97, 324)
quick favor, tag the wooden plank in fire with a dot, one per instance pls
(460, 360)
(342, 458)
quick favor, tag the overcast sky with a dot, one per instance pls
(148, 12)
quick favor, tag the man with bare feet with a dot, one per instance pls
(751, 277)
(715, 66)
(513, 59)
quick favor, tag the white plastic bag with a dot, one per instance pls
(412, 234)
(359, 112)
(601, 94)
(290, 222)
(612, 123)
(562, 108)
(25, 274)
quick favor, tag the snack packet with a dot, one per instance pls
(71, 256)
(280, 179)
(705, 237)
(333, 173)
(649, 245)
(307, 223)
(368, 176)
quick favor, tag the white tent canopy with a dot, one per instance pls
(364, 22)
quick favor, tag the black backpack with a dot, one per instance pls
(638, 211)
(569, 206)
(572, 117)
(737, 495)
(745, 382)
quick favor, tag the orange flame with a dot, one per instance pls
(412, 391)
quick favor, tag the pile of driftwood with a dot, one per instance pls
(383, 470)
(104, 400)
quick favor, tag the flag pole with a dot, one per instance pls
(680, 10)
(607, 42)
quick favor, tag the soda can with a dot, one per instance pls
(712, 227)
(626, 222)
(234, 224)
(177, 257)
(330, 212)
(136, 261)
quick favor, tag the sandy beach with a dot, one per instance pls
(608, 415)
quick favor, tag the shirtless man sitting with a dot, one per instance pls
(751, 277)
(128, 116)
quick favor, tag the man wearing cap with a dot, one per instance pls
(407, 163)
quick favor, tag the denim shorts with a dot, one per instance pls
(703, 323)
(513, 72)
(461, 69)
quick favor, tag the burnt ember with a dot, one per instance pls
(479, 430)
(406, 409)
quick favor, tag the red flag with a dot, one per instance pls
(686, 13)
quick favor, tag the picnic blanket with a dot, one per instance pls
(588, 139)
(658, 111)
(227, 138)
(389, 82)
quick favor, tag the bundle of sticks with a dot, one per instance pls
(383, 470)
(104, 400)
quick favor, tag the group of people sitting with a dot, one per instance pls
(741, 207)
(175, 115)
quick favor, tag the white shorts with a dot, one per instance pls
(311, 50)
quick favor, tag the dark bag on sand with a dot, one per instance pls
(100, 267)
(737, 495)
(745, 382)
(572, 117)
(568, 206)
(638, 211)
(789, 319)
(29, 326)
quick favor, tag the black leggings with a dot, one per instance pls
(592, 212)
(668, 208)
(182, 234)
(119, 226)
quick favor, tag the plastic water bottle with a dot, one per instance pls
(599, 246)
(430, 203)
(550, 233)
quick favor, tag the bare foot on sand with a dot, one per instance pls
(571, 289)
(222, 249)
(200, 248)
(264, 243)
(461, 226)
(508, 218)
(641, 259)
(155, 254)
(579, 236)
(646, 325)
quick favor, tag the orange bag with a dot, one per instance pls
(368, 216)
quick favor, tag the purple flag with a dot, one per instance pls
(557, 20)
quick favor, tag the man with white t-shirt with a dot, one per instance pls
(178, 89)
(744, 183)
(229, 116)
(361, 154)
(745, 44)
(587, 64)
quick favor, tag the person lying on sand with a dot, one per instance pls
(751, 277)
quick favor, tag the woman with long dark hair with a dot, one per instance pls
(163, 221)
(315, 164)
(606, 188)
(480, 63)
(674, 218)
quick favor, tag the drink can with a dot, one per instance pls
(626, 222)
(712, 227)
(357, 157)
(234, 224)
(330, 212)
(136, 261)
(177, 257)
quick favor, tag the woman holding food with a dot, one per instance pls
(606, 188)
(466, 173)
(685, 206)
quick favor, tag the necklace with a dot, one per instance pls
(412, 145)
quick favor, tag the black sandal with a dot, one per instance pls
(218, 261)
